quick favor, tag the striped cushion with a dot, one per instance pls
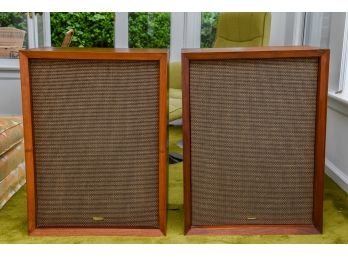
(12, 168)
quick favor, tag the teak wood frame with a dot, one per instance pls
(320, 131)
(95, 54)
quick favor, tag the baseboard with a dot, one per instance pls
(337, 175)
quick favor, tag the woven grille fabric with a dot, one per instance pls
(252, 140)
(96, 126)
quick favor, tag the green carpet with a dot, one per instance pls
(13, 227)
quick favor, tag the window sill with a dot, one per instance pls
(9, 69)
(9, 64)
(338, 103)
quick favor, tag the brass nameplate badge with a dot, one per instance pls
(98, 218)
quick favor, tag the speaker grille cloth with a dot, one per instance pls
(252, 140)
(96, 142)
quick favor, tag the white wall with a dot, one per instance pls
(337, 142)
(10, 92)
(278, 29)
(335, 44)
(283, 28)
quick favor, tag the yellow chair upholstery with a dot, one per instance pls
(175, 93)
(175, 75)
(243, 29)
(233, 30)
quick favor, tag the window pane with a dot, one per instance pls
(208, 29)
(12, 41)
(317, 29)
(327, 30)
(91, 29)
(40, 29)
(149, 30)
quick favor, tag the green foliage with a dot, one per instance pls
(91, 29)
(14, 19)
(149, 30)
(208, 29)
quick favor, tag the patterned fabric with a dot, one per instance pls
(12, 183)
(252, 140)
(175, 93)
(11, 132)
(12, 167)
(175, 104)
(10, 160)
(112, 175)
(243, 29)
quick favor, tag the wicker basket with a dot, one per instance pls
(11, 41)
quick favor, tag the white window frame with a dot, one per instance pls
(177, 39)
(185, 29)
(121, 30)
(313, 29)
(343, 80)
(47, 29)
(32, 32)
(299, 27)
(338, 43)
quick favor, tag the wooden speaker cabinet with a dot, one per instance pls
(95, 125)
(254, 139)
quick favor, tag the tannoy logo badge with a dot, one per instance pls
(98, 218)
